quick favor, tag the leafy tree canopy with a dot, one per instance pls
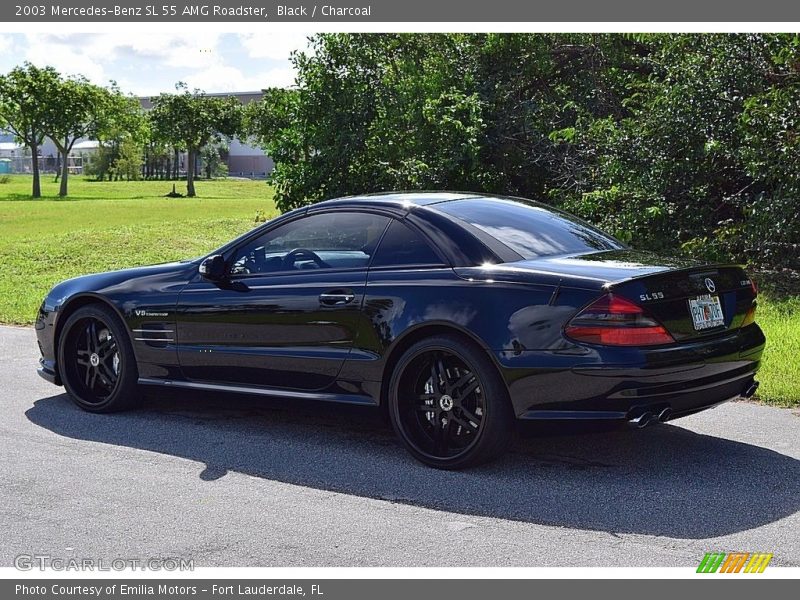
(681, 142)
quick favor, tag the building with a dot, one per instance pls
(243, 159)
(11, 149)
(14, 158)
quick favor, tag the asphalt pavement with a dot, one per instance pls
(239, 481)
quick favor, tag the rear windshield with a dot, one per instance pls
(531, 230)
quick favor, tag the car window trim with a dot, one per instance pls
(409, 267)
(237, 276)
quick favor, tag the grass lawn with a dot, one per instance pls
(780, 369)
(112, 225)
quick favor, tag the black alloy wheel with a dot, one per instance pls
(449, 405)
(96, 361)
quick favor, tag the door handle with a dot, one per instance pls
(337, 297)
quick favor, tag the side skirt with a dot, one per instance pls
(260, 391)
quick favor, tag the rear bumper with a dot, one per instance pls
(624, 384)
(659, 407)
(48, 372)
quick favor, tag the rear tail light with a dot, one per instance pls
(750, 316)
(615, 321)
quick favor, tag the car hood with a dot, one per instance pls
(151, 278)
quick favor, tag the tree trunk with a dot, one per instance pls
(168, 170)
(190, 173)
(176, 172)
(37, 187)
(64, 173)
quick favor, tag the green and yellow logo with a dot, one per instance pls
(735, 562)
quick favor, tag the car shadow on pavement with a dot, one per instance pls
(664, 480)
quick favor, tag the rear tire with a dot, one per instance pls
(449, 405)
(96, 361)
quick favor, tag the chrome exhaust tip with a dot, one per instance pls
(641, 421)
(665, 414)
(750, 391)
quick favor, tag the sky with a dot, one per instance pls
(148, 64)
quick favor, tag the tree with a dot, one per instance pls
(191, 120)
(76, 111)
(674, 142)
(26, 95)
(128, 162)
(120, 121)
(212, 157)
(409, 111)
(672, 168)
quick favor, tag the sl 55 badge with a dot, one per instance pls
(651, 296)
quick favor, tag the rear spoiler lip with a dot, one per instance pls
(617, 282)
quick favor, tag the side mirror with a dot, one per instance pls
(213, 268)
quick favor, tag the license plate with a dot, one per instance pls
(706, 312)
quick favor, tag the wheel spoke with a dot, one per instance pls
(467, 421)
(107, 374)
(103, 381)
(465, 385)
(105, 349)
(467, 391)
(93, 335)
(441, 436)
(436, 376)
(463, 380)
(87, 375)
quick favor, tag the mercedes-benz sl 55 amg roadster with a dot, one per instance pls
(457, 313)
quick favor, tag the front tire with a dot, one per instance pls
(96, 361)
(449, 405)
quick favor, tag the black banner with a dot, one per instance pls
(397, 589)
(463, 11)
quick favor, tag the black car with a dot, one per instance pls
(457, 312)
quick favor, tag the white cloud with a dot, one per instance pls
(149, 63)
(226, 78)
(65, 57)
(174, 50)
(273, 46)
(93, 49)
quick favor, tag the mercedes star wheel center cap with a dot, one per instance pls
(446, 402)
(94, 359)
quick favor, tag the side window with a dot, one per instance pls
(337, 240)
(403, 246)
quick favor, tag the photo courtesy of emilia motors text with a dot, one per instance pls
(374, 299)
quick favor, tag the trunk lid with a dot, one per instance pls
(691, 299)
(693, 302)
